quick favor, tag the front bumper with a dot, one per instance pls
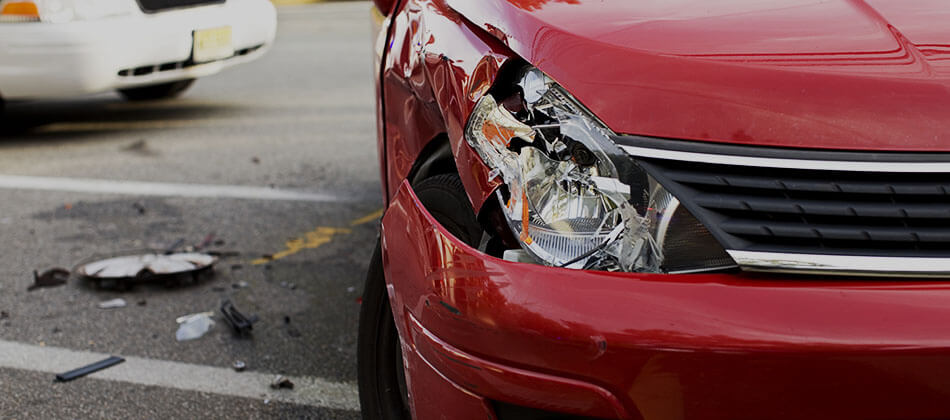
(477, 329)
(39, 60)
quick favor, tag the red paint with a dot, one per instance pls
(836, 74)
(430, 85)
(384, 6)
(665, 346)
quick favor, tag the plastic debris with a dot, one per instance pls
(241, 324)
(121, 272)
(112, 304)
(281, 382)
(85, 370)
(152, 264)
(291, 330)
(239, 366)
(50, 278)
(206, 242)
(174, 246)
(193, 326)
(239, 285)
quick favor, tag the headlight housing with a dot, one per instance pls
(573, 198)
(61, 11)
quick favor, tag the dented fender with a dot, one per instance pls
(437, 67)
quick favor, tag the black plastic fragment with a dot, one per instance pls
(50, 278)
(241, 324)
(85, 370)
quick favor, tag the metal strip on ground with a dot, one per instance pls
(309, 391)
(103, 186)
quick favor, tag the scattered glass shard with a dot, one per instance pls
(112, 304)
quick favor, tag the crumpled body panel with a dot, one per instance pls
(838, 74)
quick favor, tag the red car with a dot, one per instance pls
(661, 209)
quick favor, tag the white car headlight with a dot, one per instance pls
(60, 11)
(573, 198)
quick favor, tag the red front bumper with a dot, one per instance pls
(626, 345)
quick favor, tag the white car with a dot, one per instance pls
(145, 49)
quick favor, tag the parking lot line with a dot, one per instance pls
(309, 391)
(103, 186)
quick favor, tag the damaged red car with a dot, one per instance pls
(661, 209)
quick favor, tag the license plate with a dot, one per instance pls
(212, 44)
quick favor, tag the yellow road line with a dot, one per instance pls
(310, 240)
(316, 238)
(368, 218)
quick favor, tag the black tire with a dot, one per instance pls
(155, 92)
(381, 376)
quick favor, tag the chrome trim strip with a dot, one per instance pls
(766, 162)
(842, 264)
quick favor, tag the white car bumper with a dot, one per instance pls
(40, 60)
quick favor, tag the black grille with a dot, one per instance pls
(814, 211)
(151, 6)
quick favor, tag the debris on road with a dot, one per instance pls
(241, 324)
(142, 302)
(239, 366)
(174, 246)
(224, 254)
(85, 370)
(50, 278)
(119, 271)
(206, 242)
(193, 326)
(112, 304)
(281, 382)
(291, 330)
(139, 207)
(239, 285)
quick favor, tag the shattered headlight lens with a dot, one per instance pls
(574, 198)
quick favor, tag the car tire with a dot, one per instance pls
(381, 375)
(155, 92)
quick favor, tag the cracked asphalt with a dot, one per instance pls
(301, 119)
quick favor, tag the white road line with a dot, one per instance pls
(103, 186)
(183, 376)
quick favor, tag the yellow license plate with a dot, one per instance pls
(212, 44)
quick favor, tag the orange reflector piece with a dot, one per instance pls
(20, 8)
(525, 236)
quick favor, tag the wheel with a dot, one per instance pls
(159, 91)
(382, 382)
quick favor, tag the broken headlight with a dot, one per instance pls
(572, 197)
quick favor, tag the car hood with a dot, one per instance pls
(830, 74)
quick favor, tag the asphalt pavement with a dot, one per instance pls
(273, 162)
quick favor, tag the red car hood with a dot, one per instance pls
(831, 74)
